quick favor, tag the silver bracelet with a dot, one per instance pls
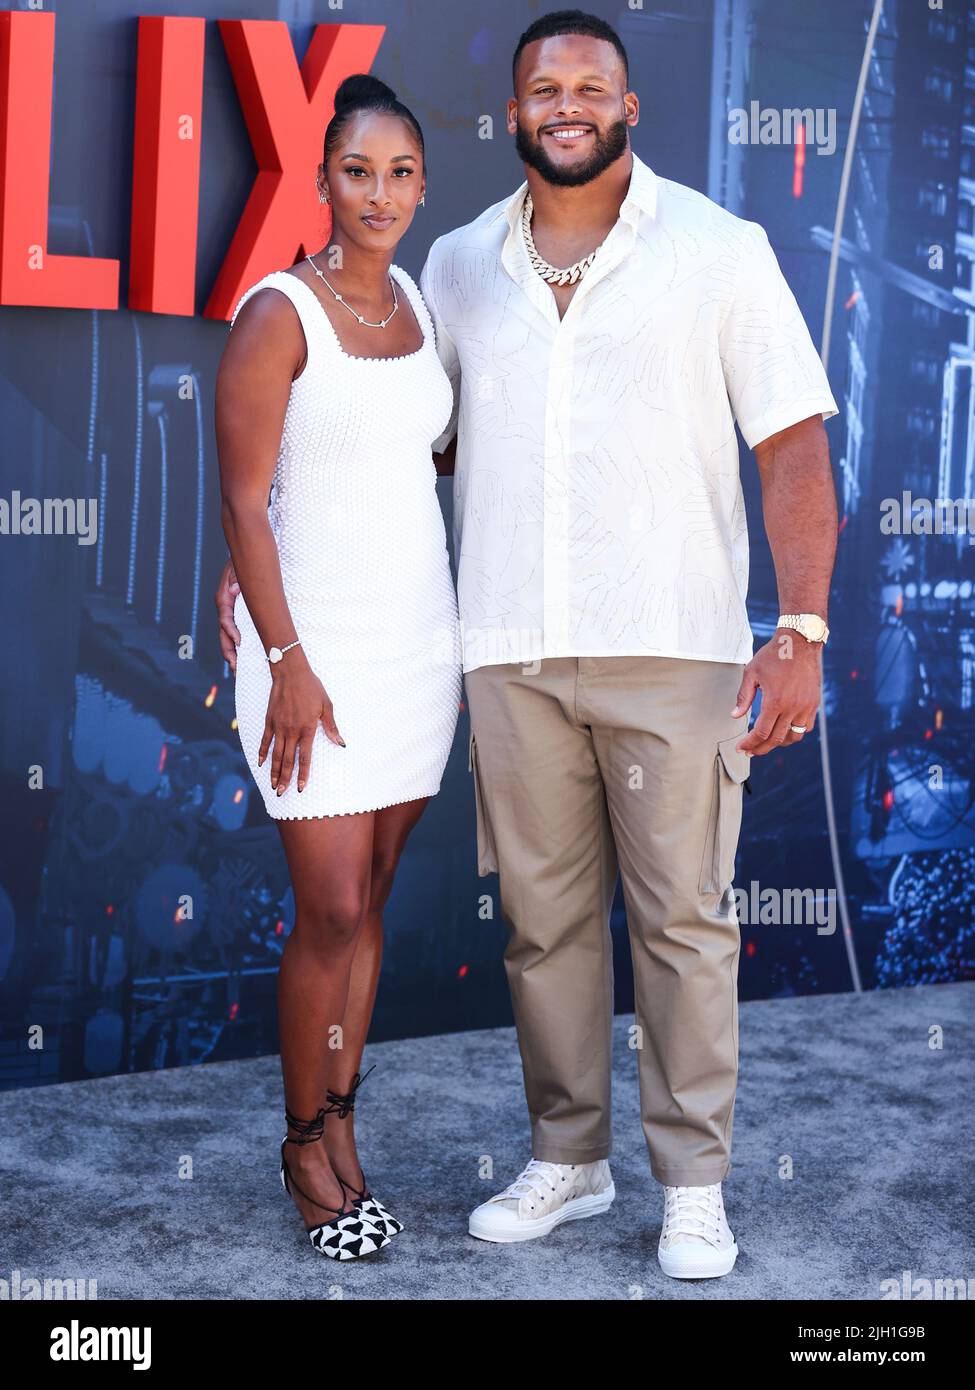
(276, 653)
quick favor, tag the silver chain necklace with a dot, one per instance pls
(571, 274)
(365, 322)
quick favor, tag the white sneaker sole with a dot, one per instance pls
(576, 1209)
(685, 1263)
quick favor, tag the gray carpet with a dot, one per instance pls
(878, 1127)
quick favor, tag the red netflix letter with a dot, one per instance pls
(28, 275)
(286, 110)
(166, 165)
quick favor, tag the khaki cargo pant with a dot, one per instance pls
(589, 766)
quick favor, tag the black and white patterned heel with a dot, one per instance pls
(363, 1200)
(350, 1235)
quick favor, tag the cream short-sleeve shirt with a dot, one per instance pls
(598, 509)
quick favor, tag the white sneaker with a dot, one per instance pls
(541, 1198)
(696, 1240)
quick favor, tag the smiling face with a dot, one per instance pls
(374, 179)
(571, 109)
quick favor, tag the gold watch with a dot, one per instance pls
(808, 625)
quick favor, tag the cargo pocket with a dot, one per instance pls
(731, 769)
(487, 854)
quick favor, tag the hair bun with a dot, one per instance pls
(361, 86)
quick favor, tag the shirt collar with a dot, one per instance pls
(641, 197)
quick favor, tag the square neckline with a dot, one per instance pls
(394, 270)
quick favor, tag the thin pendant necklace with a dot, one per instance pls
(567, 276)
(365, 322)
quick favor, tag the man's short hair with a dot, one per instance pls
(571, 22)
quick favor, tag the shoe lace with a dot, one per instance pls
(532, 1181)
(344, 1104)
(308, 1132)
(694, 1211)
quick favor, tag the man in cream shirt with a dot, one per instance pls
(603, 338)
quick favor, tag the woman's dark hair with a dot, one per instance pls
(363, 92)
(570, 22)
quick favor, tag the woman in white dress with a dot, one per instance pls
(345, 633)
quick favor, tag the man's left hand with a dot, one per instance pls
(788, 671)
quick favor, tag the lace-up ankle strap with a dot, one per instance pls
(344, 1105)
(308, 1130)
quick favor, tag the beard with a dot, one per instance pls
(607, 148)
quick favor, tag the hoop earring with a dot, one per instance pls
(323, 197)
(423, 200)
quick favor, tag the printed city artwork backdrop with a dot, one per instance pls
(144, 898)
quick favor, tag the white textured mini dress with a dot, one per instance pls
(363, 553)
